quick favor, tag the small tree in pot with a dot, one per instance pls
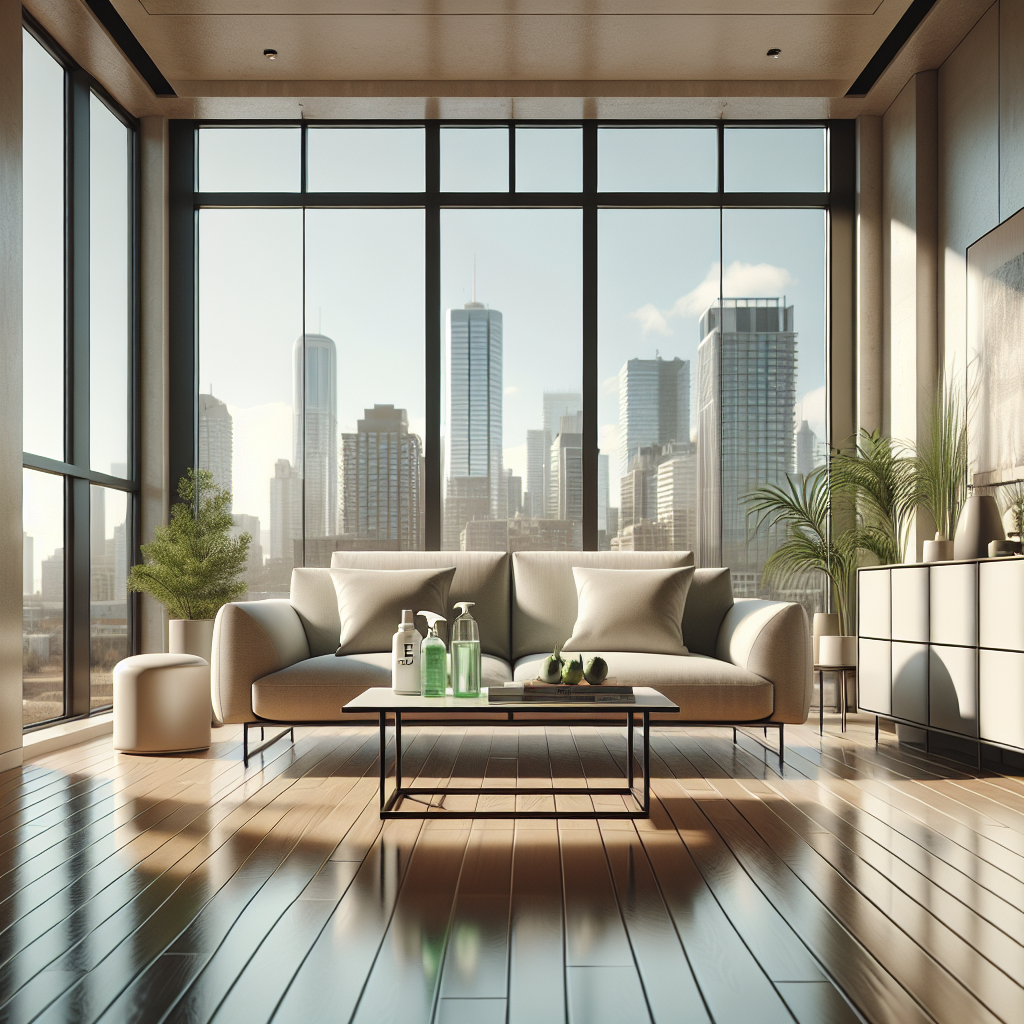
(193, 565)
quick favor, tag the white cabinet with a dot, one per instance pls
(874, 676)
(1001, 603)
(910, 682)
(874, 604)
(1001, 702)
(952, 689)
(910, 607)
(953, 603)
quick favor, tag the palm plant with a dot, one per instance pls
(882, 481)
(801, 509)
(1013, 502)
(193, 565)
(940, 465)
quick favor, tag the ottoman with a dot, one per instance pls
(161, 704)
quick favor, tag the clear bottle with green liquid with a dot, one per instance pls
(433, 659)
(465, 653)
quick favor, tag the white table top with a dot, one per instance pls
(383, 698)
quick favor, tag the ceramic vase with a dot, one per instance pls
(193, 636)
(825, 624)
(838, 651)
(938, 550)
(980, 522)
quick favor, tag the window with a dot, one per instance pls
(79, 477)
(514, 335)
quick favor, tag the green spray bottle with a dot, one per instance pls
(433, 659)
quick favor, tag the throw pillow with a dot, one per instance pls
(370, 603)
(630, 610)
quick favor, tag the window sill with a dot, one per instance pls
(66, 734)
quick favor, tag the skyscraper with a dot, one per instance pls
(677, 499)
(27, 564)
(381, 482)
(474, 480)
(556, 404)
(746, 383)
(285, 511)
(535, 502)
(805, 443)
(654, 405)
(216, 439)
(565, 487)
(602, 493)
(315, 430)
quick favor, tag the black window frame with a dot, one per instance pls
(837, 201)
(75, 469)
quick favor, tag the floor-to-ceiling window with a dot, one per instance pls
(78, 365)
(509, 336)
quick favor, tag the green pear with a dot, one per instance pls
(596, 671)
(551, 670)
(572, 671)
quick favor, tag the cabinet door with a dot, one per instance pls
(873, 600)
(910, 611)
(874, 676)
(952, 689)
(1001, 703)
(910, 682)
(1001, 603)
(953, 600)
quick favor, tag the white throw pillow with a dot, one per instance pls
(370, 603)
(630, 610)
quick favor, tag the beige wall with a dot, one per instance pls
(10, 383)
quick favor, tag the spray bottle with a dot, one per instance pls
(405, 656)
(433, 659)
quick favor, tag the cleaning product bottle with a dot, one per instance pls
(465, 653)
(433, 659)
(405, 656)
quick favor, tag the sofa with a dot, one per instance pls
(749, 663)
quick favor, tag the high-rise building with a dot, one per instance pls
(27, 564)
(381, 479)
(250, 525)
(746, 383)
(565, 483)
(52, 577)
(602, 493)
(556, 404)
(654, 405)
(216, 439)
(677, 499)
(514, 493)
(535, 502)
(638, 494)
(285, 511)
(805, 449)
(474, 478)
(315, 430)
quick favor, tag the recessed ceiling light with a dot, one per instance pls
(774, 52)
(270, 54)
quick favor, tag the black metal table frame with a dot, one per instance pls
(400, 792)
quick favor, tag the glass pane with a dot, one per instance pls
(364, 294)
(43, 256)
(512, 379)
(108, 595)
(549, 159)
(659, 273)
(109, 290)
(366, 160)
(250, 342)
(775, 159)
(249, 160)
(474, 159)
(657, 160)
(765, 371)
(43, 601)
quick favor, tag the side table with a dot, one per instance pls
(841, 671)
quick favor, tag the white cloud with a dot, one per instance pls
(811, 407)
(511, 390)
(741, 280)
(652, 319)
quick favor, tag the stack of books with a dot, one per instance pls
(553, 693)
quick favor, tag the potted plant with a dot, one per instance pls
(193, 565)
(801, 508)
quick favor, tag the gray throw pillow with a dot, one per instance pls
(630, 610)
(370, 603)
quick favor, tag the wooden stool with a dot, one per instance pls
(161, 704)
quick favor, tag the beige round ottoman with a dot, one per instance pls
(161, 704)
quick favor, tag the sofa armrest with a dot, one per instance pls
(250, 640)
(772, 639)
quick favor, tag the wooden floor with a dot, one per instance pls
(860, 884)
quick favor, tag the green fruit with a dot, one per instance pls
(597, 671)
(551, 670)
(572, 671)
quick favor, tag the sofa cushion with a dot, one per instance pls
(370, 603)
(316, 690)
(544, 604)
(706, 690)
(709, 600)
(480, 576)
(630, 610)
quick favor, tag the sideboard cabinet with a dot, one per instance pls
(941, 647)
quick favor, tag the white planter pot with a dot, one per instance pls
(838, 651)
(193, 636)
(825, 624)
(937, 551)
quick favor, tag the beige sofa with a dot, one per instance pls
(749, 662)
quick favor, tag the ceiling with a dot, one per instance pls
(499, 57)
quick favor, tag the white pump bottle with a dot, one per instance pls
(405, 656)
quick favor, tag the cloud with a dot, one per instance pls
(511, 390)
(740, 280)
(610, 386)
(652, 319)
(811, 407)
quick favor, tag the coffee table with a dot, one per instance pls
(383, 701)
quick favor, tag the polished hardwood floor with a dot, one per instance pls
(853, 884)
